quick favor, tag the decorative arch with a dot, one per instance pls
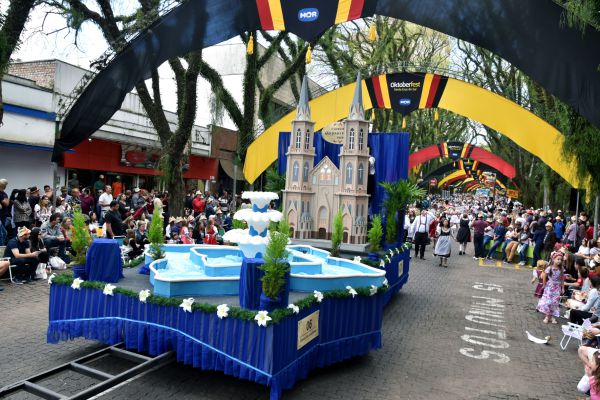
(565, 62)
(459, 150)
(471, 168)
(463, 98)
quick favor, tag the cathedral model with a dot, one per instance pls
(314, 193)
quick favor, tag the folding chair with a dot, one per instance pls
(573, 331)
(10, 267)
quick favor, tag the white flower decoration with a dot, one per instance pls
(382, 264)
(318, 295)
(397, 250)
(391, 252)
(357, 259)
(351, 291)
(373, 290)
(294, 308)
(385, 282)
(76, 283)
(186, 304)
(108, 289)
(144, 294)
(387, 259)
(262, 317)
(222, 311)
(51, 278)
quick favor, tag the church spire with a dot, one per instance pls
(357, 111)
(303, 110)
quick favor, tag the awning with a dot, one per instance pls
(229, 169)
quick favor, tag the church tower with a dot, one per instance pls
(354, 166)
(298, 194)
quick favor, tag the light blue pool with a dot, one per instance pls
(207, 270)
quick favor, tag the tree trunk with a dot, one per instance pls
(173, 179)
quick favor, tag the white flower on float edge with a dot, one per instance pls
(186, 304)
(397, 251)
(262, 317)
(222, 311)
(318, 295)
(294, 308)
(391, 252)
(144, 294)
(357, 259)
(382, 264)
(351, 291)
(387, 259)
(373, 290)
(108, 289)
(51, 278)
(76, 283)
(385, 282)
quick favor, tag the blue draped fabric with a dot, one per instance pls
(144, 269)
(391, 151)
(347, 328)
(103, 261)
(250, 284)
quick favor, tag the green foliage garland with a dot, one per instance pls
(337, 235)
(135, 262)
(81, 239)
(375, 234)
(276, 266)
(156, 236)
(277, 315)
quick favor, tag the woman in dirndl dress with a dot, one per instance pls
(464, 234)
(443, 245)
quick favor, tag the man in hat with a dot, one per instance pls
(198, 204)
(549, 238)
(19, 251)
(559, 228)
(479, 226)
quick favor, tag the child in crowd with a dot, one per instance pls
(537, 276)
(553, 280)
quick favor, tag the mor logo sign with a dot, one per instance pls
(308, 329)
(308, 15)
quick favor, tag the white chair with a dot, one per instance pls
(10, 267)
(573, 331)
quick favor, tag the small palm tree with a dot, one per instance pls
(399, 194)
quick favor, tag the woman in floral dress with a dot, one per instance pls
(552, 279)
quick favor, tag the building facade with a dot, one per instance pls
(126, 148)
(314, 193)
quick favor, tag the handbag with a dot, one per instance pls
(40, 271)
(57, 263)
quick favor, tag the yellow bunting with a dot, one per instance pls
(404, 123)
(372, 33)
(250, 45)
(436, 115)
(308, 54)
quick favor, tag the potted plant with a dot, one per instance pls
(399, 194)
(275, 281)
(156, 236)
(80, 240)
(337, 235)
(375, 235)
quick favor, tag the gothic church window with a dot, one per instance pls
(307, 140)
(361, 173)
(295, 170)
(305, 172)
(351, 140)
(361, 139)
(298, 138)
(349, 171)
